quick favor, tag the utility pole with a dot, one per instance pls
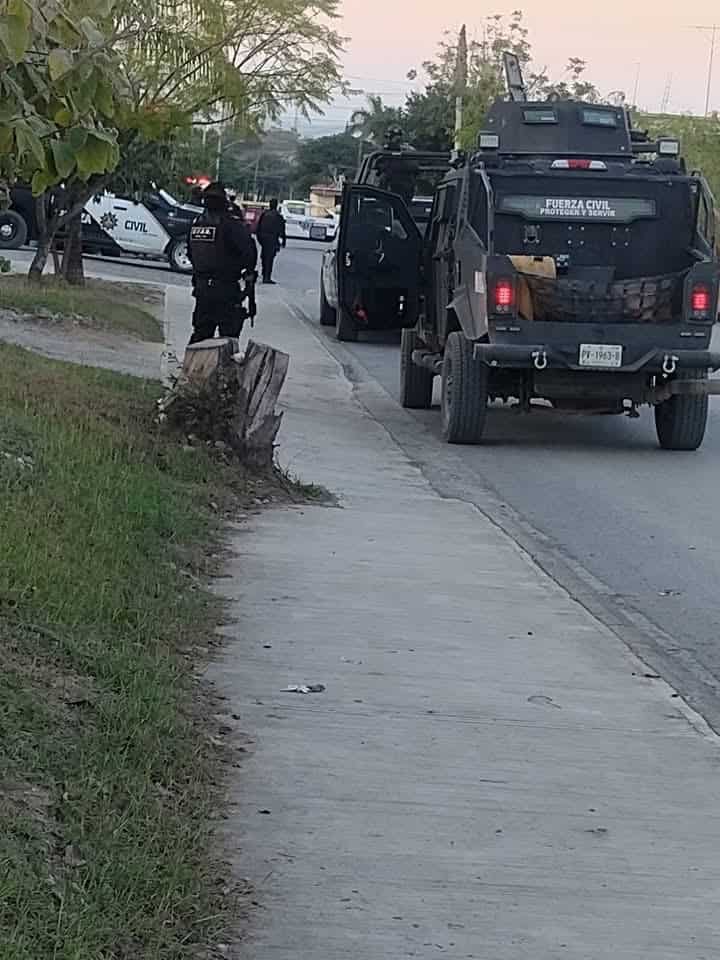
(666, 94)
(637, 84)
(461, 70)
(218, 156)
(712, 30)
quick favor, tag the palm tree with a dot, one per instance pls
(372, 123)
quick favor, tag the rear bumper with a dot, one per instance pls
(543, 356)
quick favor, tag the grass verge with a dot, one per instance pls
(106, 766)
(119, 307)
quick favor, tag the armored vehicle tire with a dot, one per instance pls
(416, 383)
(13, 230)
(345, 328)
(327, 314)
(681, 421)
(464, 392)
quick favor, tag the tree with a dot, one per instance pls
(372, 123)
(58, 90)
(98, 78)
(428, 117)
(195, 63)
(573, 86)
(325, 159)
(699, 139)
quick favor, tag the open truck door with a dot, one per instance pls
(378, 262)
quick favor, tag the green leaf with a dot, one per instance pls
(36, 79)
(59, 63)
(14, 37)
(91, 33)
(104, 8)
(63, 117)
(95, 157)
(104, 99)
(29, 146)
(20, 9)
(77, 138)
(64, 158)
(6, 139)
(41, 181)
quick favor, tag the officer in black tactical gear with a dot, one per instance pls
(223, 254)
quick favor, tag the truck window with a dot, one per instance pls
(444, 218)
(706, 218)
(479, 209)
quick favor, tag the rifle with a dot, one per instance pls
(249, 278)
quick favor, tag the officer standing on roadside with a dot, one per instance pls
(222, 252)
(270, 234)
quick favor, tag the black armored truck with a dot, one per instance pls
(570, 261)
(370, 277)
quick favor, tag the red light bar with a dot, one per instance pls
(577, 163)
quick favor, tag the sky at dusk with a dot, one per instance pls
(387, 39)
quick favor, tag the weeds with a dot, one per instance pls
(105, 771)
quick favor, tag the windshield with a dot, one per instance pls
(168, 199)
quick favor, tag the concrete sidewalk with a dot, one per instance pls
(489, 773)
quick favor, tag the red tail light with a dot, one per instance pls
(504, 295)
(700, 301)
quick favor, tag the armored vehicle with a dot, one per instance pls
(371, 274)
(569, 260)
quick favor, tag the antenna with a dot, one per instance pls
(664, 103)
(514, 78)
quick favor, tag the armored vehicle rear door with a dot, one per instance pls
(378, 256)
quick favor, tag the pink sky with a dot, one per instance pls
(387, 39)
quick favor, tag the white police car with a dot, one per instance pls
(156, 227)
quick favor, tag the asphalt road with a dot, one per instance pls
(599, 493)
(298, 264)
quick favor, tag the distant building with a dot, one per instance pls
(324, 197)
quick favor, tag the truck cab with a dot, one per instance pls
(370, 276)
(568, 260)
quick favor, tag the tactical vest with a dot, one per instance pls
(209, 247)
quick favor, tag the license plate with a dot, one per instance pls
(318, 233)
(600, 355)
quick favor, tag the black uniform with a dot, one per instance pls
(220, 248)
(270, 234)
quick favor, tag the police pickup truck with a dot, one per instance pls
(155, 227)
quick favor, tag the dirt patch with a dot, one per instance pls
(134, 310)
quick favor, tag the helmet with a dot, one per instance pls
(214, 191)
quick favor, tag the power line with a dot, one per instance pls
(404, 83)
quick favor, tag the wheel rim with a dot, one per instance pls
(7, 231)
(181, 258)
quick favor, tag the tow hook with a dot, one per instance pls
(669, 365)
(540, 359)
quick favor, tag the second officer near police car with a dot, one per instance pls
(223, 254)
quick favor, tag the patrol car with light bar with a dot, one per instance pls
(155, 227)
